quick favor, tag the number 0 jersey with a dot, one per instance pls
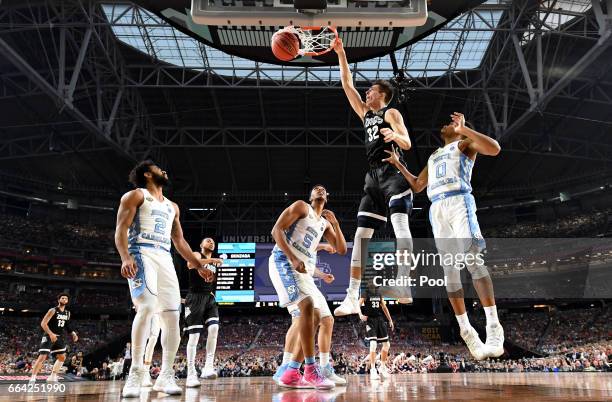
(449, 172)
(304, 237)
(152, 225)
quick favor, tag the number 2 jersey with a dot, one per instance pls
(152, 225)
(304, 237)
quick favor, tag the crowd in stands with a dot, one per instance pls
(21, 339)
(86, 298)
(573, 340)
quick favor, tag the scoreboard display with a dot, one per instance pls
(235, 278)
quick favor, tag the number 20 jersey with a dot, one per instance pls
(304, 237)
(448, 170)
(152, 225)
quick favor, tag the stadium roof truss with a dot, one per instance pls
(501, 54)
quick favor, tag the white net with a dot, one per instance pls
(314, 41)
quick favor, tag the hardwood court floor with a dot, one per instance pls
(474, 387)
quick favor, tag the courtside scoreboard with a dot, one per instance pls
(235, 278)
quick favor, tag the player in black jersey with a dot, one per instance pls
(55, 324)
(385, 191)
(373, 312)
(201, 312)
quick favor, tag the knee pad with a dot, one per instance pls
(453, 279)
(361, 236)
(386, 346)
(373, 345)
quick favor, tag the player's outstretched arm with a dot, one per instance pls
(347, 81)
(417, 183)
(125, 216)
(292, 213)
(181, 244)
(398, 132)
(476, 142)
(333, 234)
(326, 247)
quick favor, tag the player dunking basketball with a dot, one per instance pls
(297, 233)
(385, 190)
(55, 324)
(452, 215)
(201, 312)
(147, 225)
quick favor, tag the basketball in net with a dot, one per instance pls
(285, 45)
(291, 41)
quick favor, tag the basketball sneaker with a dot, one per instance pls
(292, 378)
(192, 379)
(474, 344)
(314, 376)
(209, 373)
(131, 389)
(495, 340)
(384, 372)
(167, 384)
(374, 374)
(350, 304)
(146, 381)
(329, 373)
(52, 378)
(279, 373)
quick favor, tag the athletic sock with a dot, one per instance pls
(170, 339)
(192, 346)
(323, 359)
(464, 322)
(287, 356)
(295, 365)
(309, 361)
(211, 345)
(491, 314)
(354, 285)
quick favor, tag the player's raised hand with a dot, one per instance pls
(328, 278)
(393, 157)
(459, 120)
(338, 46)
(129, 268)
(329, 216)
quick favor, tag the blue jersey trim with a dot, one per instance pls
(448, 194)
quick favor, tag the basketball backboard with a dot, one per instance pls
(338, 13)
(244, 28)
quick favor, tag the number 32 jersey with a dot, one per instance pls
(152, 225)
(304, 237)
(449, 170)
(375, 143)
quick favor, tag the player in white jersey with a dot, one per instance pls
(453, 220)
(323, 319)
(297, 233)
(147, 225)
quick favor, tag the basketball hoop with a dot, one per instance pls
(314, 41)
